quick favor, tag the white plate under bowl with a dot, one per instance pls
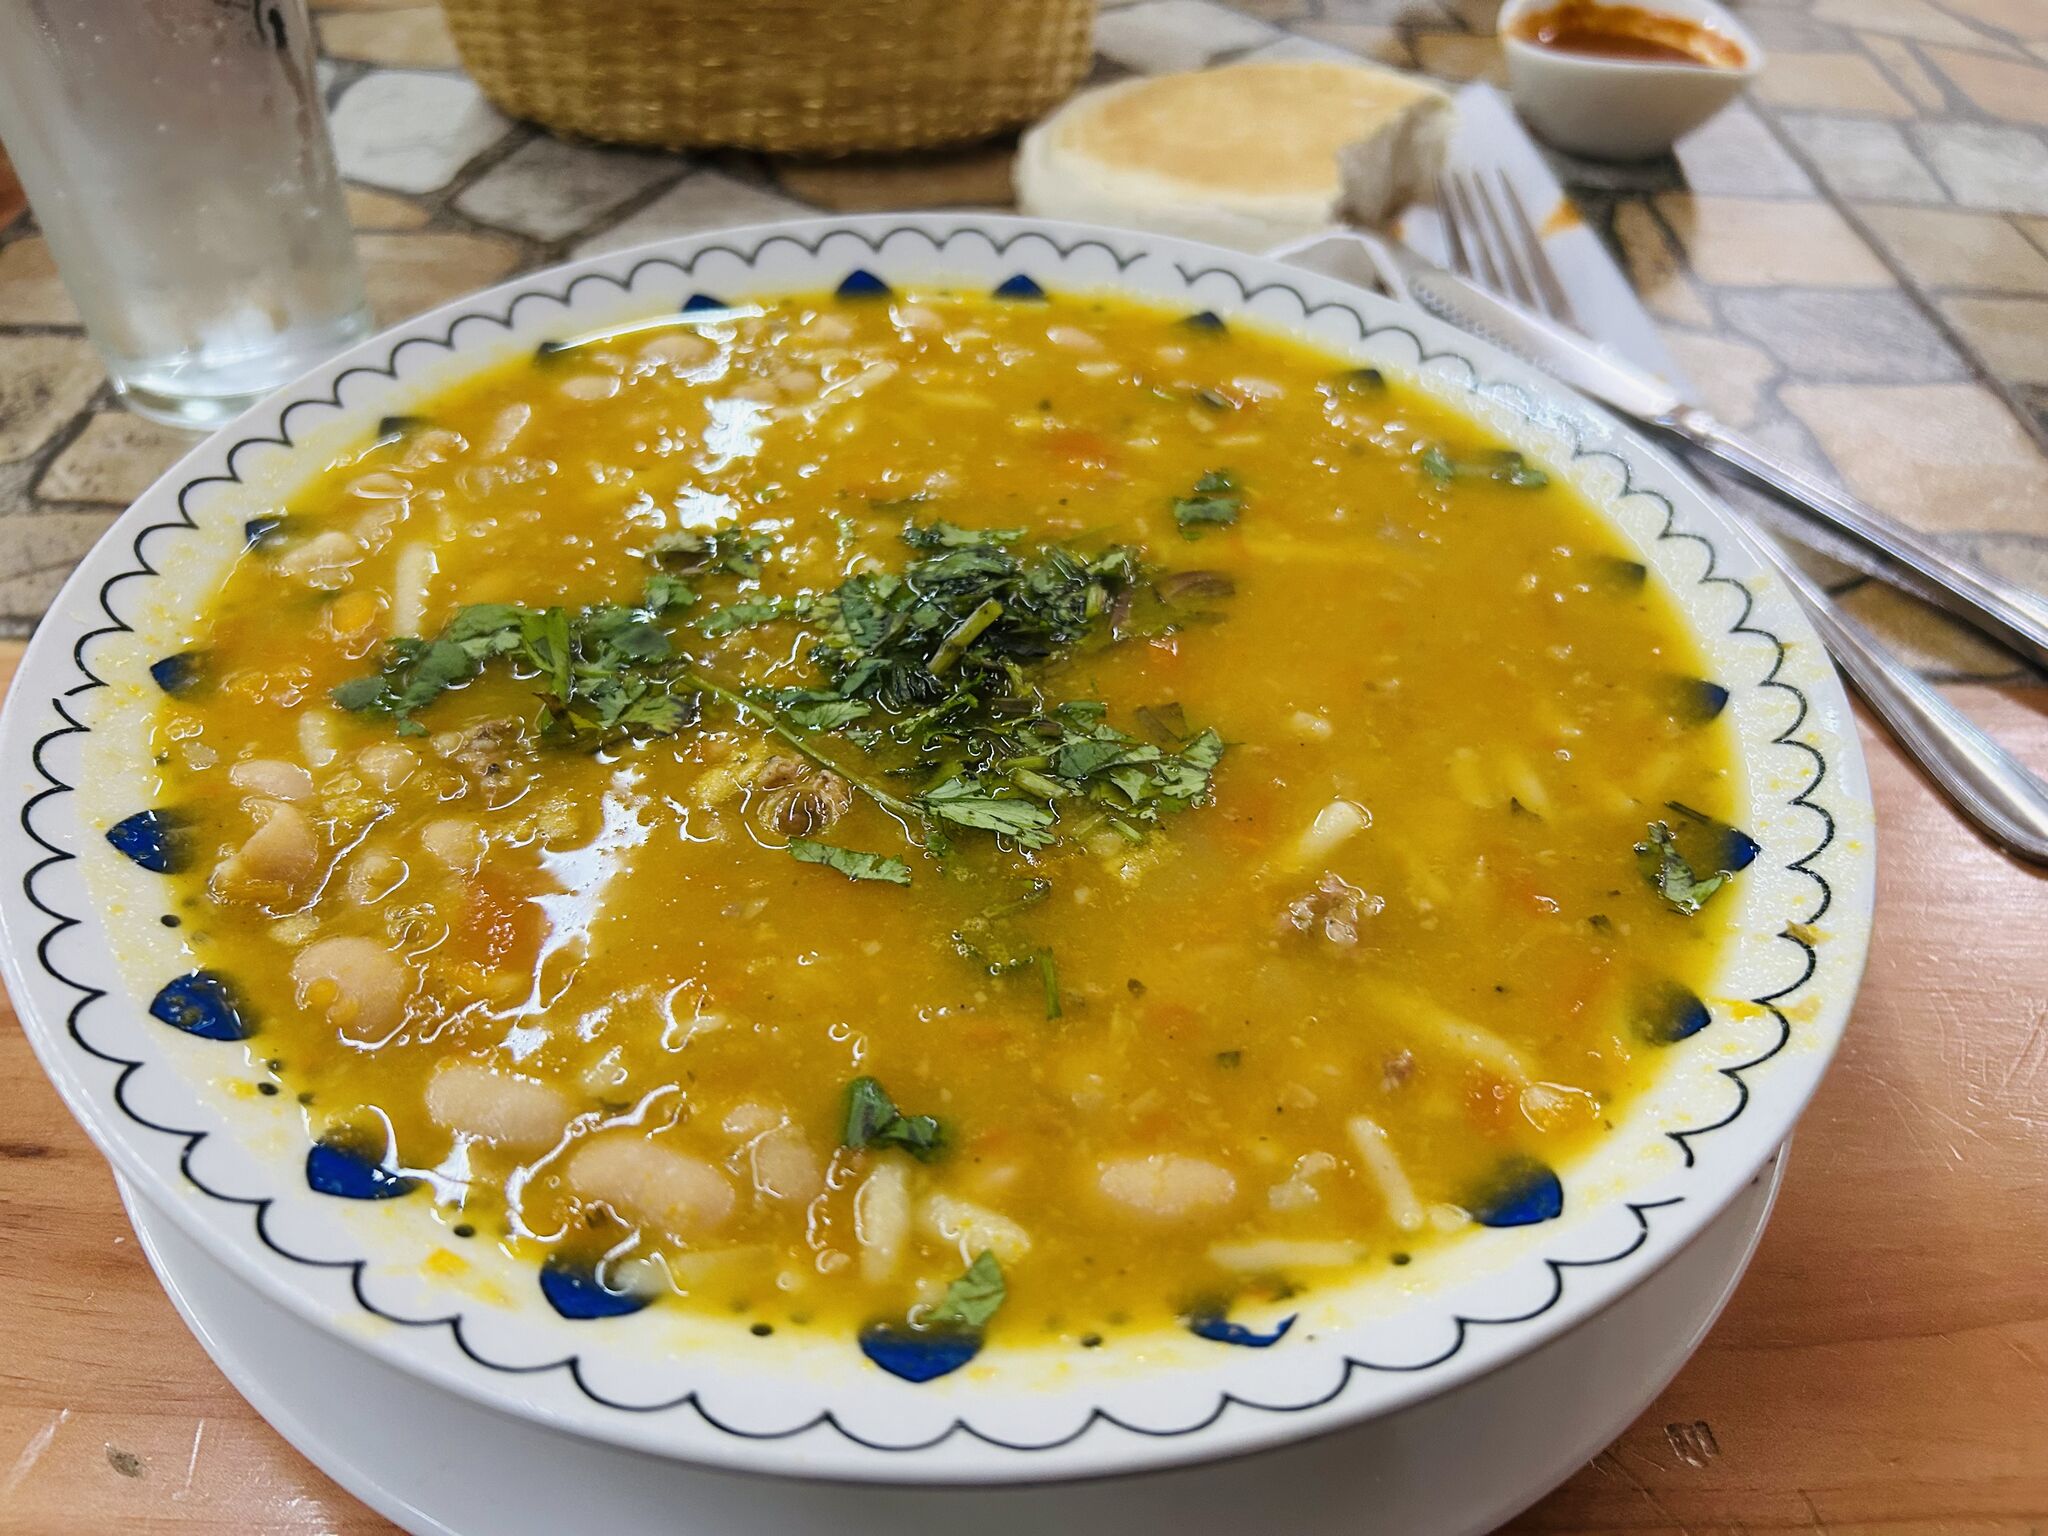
(84, 952)
(1462, 1462)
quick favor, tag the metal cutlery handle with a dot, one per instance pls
(2008, 613)
(1987, 783)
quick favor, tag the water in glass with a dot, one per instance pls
(177, 159)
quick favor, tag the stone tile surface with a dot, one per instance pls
(1834, 82)
(1161, 36)
(116, 458)
(412, 133)
(1943, 248)
(1861, 158)
(1844, 334)
(1384, 45)
(1904, 66)
(44, 382)
(41, 548)
(1925, 638)
(1944, 457)
(705, 200)
(2006, 88)
(549, 187)
(2024, 19)
(2011, 334)
(382, 210)
(1734, 152)
(1731, 378)
(31, 292)
(1918, 19)
(1752, 242)
(404, 274)
(1655, 267)
(1459, 56)
(1986, 166)
(413, 38)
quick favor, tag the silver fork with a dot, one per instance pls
(1987, 783)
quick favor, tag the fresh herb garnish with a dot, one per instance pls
(1215, 502)
(747, 613)
(1671, 876)
(973, 1299)
(592, 668)
(871, 1119)
(1504, 465)
(731, 550)
(850, 862)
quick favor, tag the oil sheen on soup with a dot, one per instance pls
(1038, 820)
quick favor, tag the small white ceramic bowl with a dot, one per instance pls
(107, 996)
(1622, 109)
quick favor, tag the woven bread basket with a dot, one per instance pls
(789, 76)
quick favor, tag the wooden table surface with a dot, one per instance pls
(1883, 1368)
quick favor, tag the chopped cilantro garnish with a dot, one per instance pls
(850, 862)
(871, 1119)
(1671, 876)
(1216, 501)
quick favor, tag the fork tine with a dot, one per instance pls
(1455, 255)
(1516, 284)
(1480, 265)
(1554, 300)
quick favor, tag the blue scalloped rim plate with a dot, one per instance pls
(149, 1054)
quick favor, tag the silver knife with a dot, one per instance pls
(2008, 613)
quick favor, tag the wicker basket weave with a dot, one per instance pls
(794, 76)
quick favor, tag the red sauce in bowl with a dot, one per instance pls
(1629, 33)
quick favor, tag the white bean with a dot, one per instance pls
(456, 841)
(272, 776)
(280, 855)
(644, 1181)
(1166, 1186)
(1072, 338)
(589, 386)
(480, 1101)
(357, 985)
(678, 349)
(319, 737)
(387, 764)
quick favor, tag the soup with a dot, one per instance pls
(926, 817)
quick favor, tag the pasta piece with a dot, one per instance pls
(881, 1219)
(412, 574)
(1167, 1186)
(972, 1228)
(1480, 1045)
(1335, 824)
(1376, 1155)
(324, 562)
(1278, 1255)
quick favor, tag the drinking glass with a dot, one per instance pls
(178, 162)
